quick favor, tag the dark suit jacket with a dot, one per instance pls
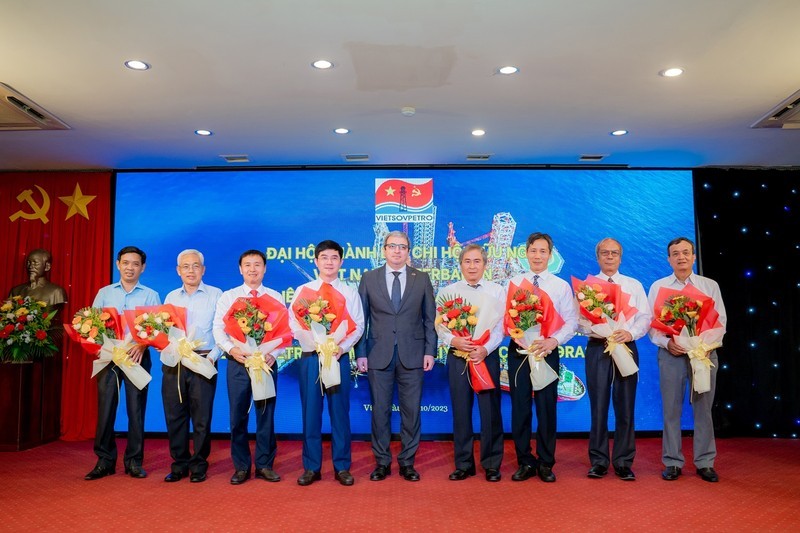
(412, 325)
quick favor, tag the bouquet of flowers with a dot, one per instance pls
(608, 309)
(24, 323)
(150, 325)
(531, 316)
(116, 351)
(181, 351)
(461, 318)
(91, 324)
(258, 326)
(327, 322)
(689, 317)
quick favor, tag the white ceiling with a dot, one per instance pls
(242, 69)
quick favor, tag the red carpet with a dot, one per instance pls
(759, 489)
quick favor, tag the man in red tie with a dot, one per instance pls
(253, 267)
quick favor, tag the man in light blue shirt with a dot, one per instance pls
(196, 401)
(125, 294)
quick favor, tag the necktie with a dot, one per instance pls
(610, 280)
(536, 280)
(254, 293)
(474, 286)
(396, 291)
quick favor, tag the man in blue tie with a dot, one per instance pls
(397, 347)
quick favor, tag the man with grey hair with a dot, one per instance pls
(186, 394)
(604, 382)
(472, 261)
(397, 347)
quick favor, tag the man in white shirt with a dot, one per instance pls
(603, 380)
(675, 371)
(328, 259)
(253, 267)
(196, 401)
(539, 249)
(472, 261)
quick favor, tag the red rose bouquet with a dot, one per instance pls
(472, 316)
(689, 316)
(24, 325)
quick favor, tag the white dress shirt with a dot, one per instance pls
(496, 292)
(644, 313)
(224, 304)
(390, 279)
(707, 286)
(354, 308)
(560, 293)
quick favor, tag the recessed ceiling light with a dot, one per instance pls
(135, 64)
(203, 133)
(509, 69)
(619, 133)
(341, 131)
(478, 133)
(322, 64)
(671, 72)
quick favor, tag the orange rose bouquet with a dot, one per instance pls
(91, 324)
(258, 326)
(530, 316)
(149, 324)
(326, 322)
(689, 316)
(471, 315)
(608, 309)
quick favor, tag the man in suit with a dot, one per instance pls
(398, 346)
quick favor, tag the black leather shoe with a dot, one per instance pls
(308, 477)
(492, 474)
(671, 473)
(239, 477)
(597, 471)
(345, 477)
(546, 473)
(409, 473)
(708, 474)
(197, 477)
(136, 471)
(267, 474)
(460, 474)
(99, 472)
(380, 473)
(172, 477)
(523, 472)
(624, 473)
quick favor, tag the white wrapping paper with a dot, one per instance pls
(116, 351)
(619, 352)
(698, 347)
(181, 350)
(260, 373)
(542, 374)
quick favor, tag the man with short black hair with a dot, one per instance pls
(126, 294)
(328, 260)
(675, 371)
(252, 267)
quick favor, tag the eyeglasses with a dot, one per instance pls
(193, 266)
(612, 253)
(392, 246)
